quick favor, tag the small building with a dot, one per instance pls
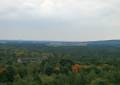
(31, 59)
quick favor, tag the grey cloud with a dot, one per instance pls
(76, 18)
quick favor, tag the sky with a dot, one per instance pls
(60, 20)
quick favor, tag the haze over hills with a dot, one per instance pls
(65, 43)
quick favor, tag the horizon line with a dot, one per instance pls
(56, 40)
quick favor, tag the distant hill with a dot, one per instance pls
(46, 43)
(104, 43)
(63, 43)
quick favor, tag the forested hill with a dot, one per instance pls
(115, 43)
(104, 43)
(59, 63)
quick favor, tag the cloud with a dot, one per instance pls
(76, 17)
(55, 8)
(66, 10)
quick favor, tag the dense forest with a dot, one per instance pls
(59, 65)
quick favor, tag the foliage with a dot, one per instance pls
(96, 65)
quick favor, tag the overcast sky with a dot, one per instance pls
(69, 20)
